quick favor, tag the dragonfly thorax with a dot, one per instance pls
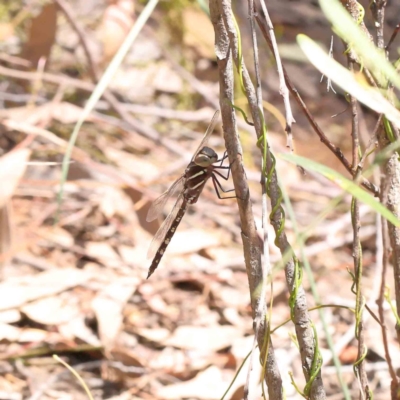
(205, 157)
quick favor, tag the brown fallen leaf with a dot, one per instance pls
(40, 41)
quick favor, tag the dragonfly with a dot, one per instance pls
(189, 187)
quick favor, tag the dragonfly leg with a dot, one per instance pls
(217, 185)
(224, 157)
(219, 173)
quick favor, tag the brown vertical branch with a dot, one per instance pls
(392, 172)
(390, 180)
(301, 318)
(378, 11)
(251, 243)
(357, 249)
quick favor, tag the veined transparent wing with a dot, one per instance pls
(208, 133)
(162, 231)
(158, 205)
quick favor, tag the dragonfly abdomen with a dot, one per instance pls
(168, 236)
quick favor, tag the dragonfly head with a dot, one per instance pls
(205, 157)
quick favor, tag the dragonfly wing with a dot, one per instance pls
(162, 231)
(158, 205)
(209, 130)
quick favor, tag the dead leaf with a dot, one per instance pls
(6, 235)
(124, 364)
(56, 234)
(197, 34)
(77, 328)
(103, 252)
(9, 333)
(10, 316)
(211, 338)
(349, 355)
(108, 306)
(52, 310)
(41, 34)
(134, 165)
(209, 384)
(167, 80)
(117, 21)
(192, 240)
(6, 31)
(22, 335)
(114, 201)
(16, 292)
(64, 112)
(12, 168)
(155, 334)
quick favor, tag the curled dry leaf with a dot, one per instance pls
(12, 168)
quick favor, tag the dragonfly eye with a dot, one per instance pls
(205, 157)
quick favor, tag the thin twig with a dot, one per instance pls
(394, 34)
(283, 89)
(266, 266)
(357, 252)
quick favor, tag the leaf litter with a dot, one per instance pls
(74, 284)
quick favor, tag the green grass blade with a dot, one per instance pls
(358, 88)
(344, 183)
(373, 58)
